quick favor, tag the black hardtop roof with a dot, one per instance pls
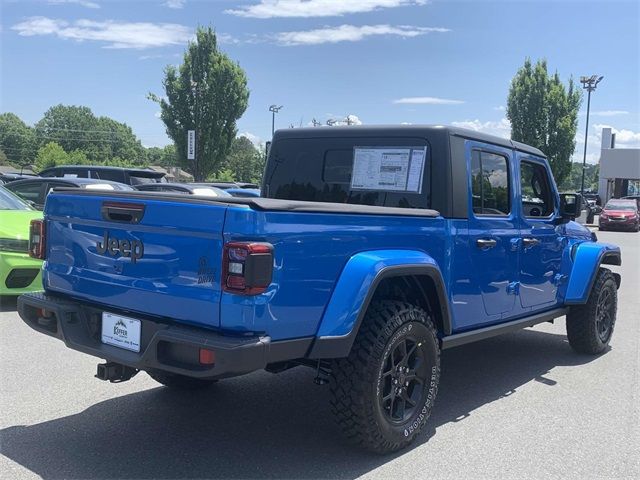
(74, 180)
(403, 130)
(143, 172)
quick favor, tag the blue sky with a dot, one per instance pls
(381, 61)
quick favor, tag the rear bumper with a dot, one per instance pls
(168, 347)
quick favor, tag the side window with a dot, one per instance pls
(537, 199)
(29, 191)
(490, 184)
(105, 174)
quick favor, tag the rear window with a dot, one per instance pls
(390, 172)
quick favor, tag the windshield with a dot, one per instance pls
(8, 201)
(620, 206)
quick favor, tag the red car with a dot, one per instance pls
(620, 214)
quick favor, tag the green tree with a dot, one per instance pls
(165, 156)
(100, 138)
(17, 139)
(119, 141)
(224, 175)
(207, 90)
(50, 155)
(544, 114)
(573, 181)
(244, 160)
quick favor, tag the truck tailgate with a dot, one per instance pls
(150, 254)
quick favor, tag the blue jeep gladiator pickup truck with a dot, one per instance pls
(371, 250)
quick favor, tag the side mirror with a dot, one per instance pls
(570, 206)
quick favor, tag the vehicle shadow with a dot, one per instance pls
(263, 425)
(8, 303)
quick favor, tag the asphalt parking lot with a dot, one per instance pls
(517, 406)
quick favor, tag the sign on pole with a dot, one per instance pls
(191, 144)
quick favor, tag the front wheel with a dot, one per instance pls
(590, 326)
(383, 392)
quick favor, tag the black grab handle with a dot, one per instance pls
(122, 212)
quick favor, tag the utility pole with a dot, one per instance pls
(589, 84)
(274, 109)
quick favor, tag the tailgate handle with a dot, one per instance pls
(122, 212)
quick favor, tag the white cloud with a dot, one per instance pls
(609, 113)
(427, 101)
(255, 139)
(349, 33)
(624, 138)
(499, 108)
(82, 3)
(348, 120)
(316, 8)
(175, 3)
(113, 34)
(500, 128)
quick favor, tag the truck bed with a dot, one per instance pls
(178, 279)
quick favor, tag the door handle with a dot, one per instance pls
(530, 242)
(486, 243)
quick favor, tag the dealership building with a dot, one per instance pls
(619, 169)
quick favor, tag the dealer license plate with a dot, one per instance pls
(119, 331)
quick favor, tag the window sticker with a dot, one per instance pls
(392, 169)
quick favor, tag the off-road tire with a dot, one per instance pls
(583, 330)
(180, 382)
(358, 382)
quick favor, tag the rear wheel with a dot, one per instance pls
(590, 326)
(383, 393)
(180, 382)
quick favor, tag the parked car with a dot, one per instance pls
(587, 211)
(129, 176)
(244, 192)
(12, 177)
(228, 185)
(191, 189)
(593, 197)
(19, 273)
(36, 189)
(620, 214)
(375, 249)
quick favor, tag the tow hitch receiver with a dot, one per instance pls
(115, 372)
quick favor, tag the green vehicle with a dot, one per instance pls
(19, 273)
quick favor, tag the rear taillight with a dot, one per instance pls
(37, 238)
(247, 267)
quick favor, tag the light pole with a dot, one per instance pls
(589, 84)
(274, 109)
(194, 90)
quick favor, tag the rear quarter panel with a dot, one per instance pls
(311, 250)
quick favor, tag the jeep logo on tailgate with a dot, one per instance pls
(126, 248)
